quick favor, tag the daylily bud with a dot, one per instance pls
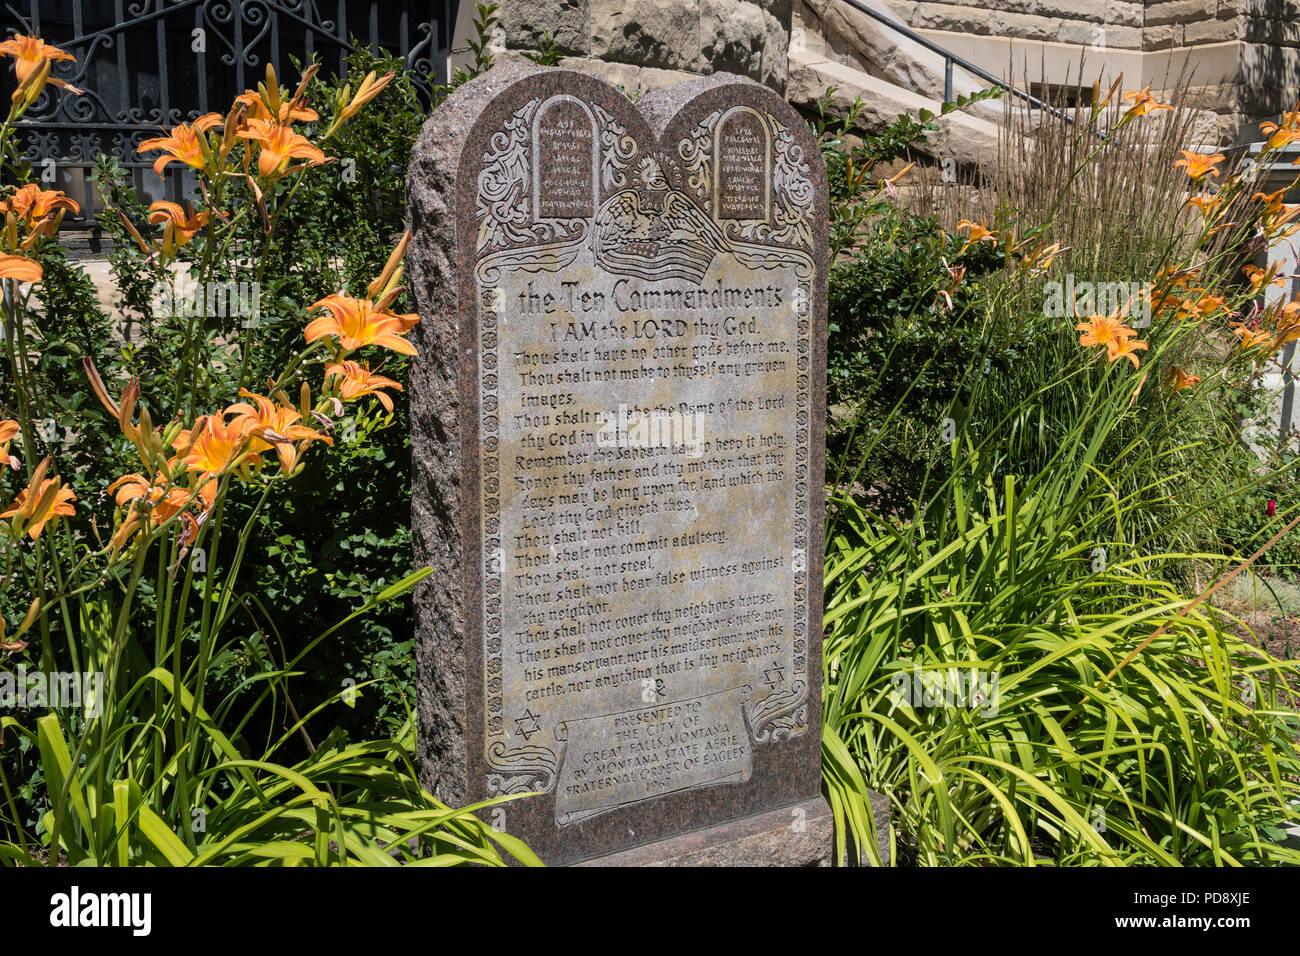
(30, 617)
(147, 439)
(97, 386)
(272, 90)
(9, 647)
(37, 478)
(370, 88)
(171, 431)
(392, 273)
(301, 91)
(29, 90)
(228, 138)
(123, 534)
(126, 409)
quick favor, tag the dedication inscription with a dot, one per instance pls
(620, 427)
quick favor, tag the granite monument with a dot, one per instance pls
(618, 414)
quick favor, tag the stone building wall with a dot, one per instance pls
(1243, 56)
(649, 44)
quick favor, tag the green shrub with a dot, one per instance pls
(1188, 755)
(190, 747)
(1062, 497)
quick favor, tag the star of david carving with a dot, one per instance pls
(774, 675)
(528, 724)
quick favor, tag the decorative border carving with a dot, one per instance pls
(504, 206)
(791, 217)
(503, 184)
(618, 150)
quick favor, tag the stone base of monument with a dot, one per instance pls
(798, 835)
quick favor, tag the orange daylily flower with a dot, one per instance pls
(1250, 337)
(1272, 201)
(270, 424)
(9, 430)
(20, 268)
(179, 226)
(263, 416)
(1102, 330)
(1280, 134)
(31, 203)
(359, 322)
(41, 210)
(164, 498)
(1143, 103)
(212, 446)
(1198, 165)
(1277, 138)
(135, 486)
(1179, 380)
(1190, 308)
(42, 501)
(1261, 278)
(29, 54)
(1282, 316)
(185, 144)
(164, 501)
(269, 104)
(1208, 304)
(1040, 260)
(1205, 203)
(279, 145)
(1288, 334)
(977, 232)
(289, 112)
(1124, 347)
(1276, 213)
(1164, 300)
(157, 502)
(358, 381)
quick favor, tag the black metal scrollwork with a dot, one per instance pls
(148, 64)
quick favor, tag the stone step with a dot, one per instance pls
(970, 140)
(840, 32)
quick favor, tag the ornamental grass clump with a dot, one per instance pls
(127, 591)
(1017, 660)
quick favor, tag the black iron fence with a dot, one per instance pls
(150, 64)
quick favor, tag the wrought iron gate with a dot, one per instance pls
(148, 64)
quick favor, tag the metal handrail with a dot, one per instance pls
(950, 59)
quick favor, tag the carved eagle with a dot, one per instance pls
(675, 241)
